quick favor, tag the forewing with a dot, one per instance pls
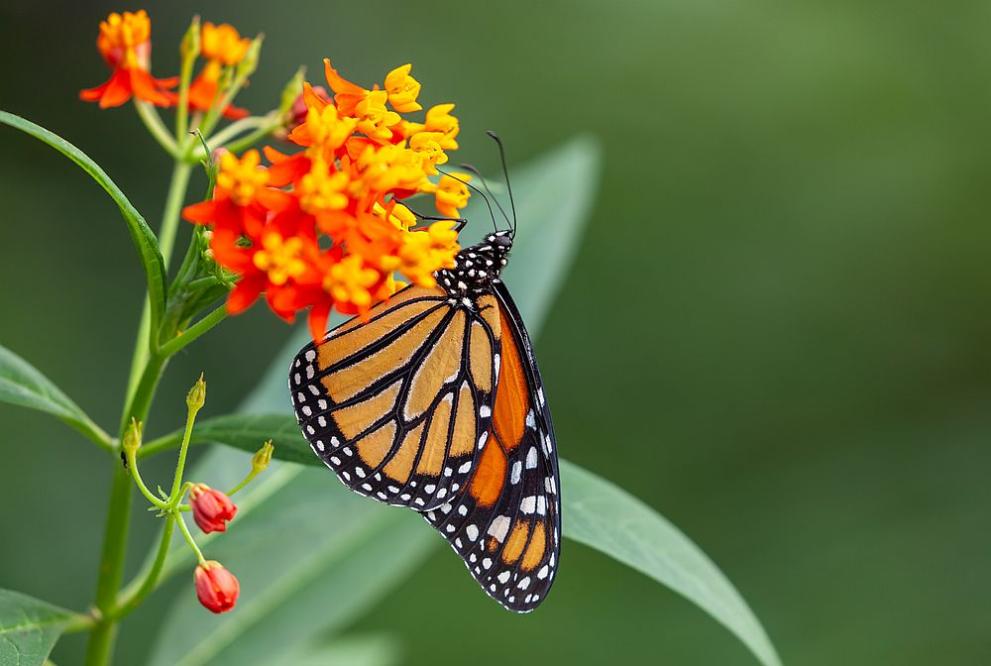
(395, 404)
(507, 525)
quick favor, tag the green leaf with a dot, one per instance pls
(243, 431)
(141, 234)
(28, 629)
(23, 385)
(374, 650)
(605, 517)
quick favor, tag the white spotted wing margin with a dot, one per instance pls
(512, 548)
(394, 404)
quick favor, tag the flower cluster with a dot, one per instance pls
(125, 44)
(324, 227)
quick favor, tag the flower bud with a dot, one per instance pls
(196, 397)
(212, 509)
(216, 587)
(132, 438)
(262, 457)
(249, 64)
(291, 91)
(190, 46)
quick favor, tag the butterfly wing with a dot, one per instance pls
(396, 403)
(507, 525)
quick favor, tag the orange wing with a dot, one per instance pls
(396, 404)
(507, 526)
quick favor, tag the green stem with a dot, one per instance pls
(196, 330)
(101, 640)
(145, 582)
(146, 371)
(79, 622)
(95, 434)
(189, 539)
(132, 465)
(235, 128)
(181, 173)
(180, 465)
(182, 111)
(149, 116)
(249, 140)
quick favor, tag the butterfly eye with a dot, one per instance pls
(502, 241)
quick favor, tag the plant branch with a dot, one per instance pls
(145, 582)
(189, 539)
(207, 322)
(149, 116)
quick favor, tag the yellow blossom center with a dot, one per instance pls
(349, 281)
(281, 258)
(327, 130)
(242, 178)
(322, 189)
(376, 120)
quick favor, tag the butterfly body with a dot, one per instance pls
(434, 402)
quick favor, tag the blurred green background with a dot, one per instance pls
(776, 332)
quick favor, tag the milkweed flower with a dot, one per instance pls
(216, 588)
(125, 44)
(212, 509)
(222, 46)
(332, 225)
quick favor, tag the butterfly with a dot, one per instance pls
(433, 401)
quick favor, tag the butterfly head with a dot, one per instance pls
(478, 266)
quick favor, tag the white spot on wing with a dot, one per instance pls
(499, 528)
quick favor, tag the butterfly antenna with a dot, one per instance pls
(438, 218)
(505, 173)
(477, 191)
(485, 184)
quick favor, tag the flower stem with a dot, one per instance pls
(196, 330)
(132, 465)
(189, 539)
(142, 586)
(183, 452)
(166, 240)
(146, 371)
(149, 116)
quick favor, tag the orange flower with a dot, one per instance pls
(125, 44)
(324, 228)
(222, 46)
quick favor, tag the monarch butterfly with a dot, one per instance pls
(434, 402)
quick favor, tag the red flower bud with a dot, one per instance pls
(212, 509)
(216, 587)
(298, 110)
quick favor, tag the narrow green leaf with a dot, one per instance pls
(28, 629)
(141, 234)
(23, 385)
(374, 650)
(599, 514)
